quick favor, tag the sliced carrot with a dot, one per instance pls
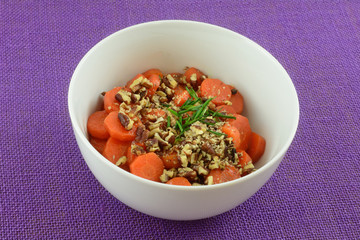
(243, 125)
(116, 130)
(195, 74)
(181, 181)
(232, 132)
(217, 89)
(95, 125)
(152, 71)
(237, 100)
(227, 109)
(228, 174)
(244, 158)
(132, 80)
(180, 95)
(130, 155)
(147, 166)
(171, 160)
(98, 144)
(110, 102)
(256, 147)
(114, 149)
(157, 112)
(155, 80)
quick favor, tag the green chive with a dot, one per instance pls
(168, 121)
(217, 133)
(173, 112)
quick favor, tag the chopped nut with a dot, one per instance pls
(146, 83)
(188, 173)
(152, 145)
(125, 121)
(141, 134)
(171, 82)
(187, 149)
(227, 102)
(121, 161)
(135, 85)
(234, 91)
(183, 159)
(206, 147)
(209, 180)
(135, 97)
(123, 96)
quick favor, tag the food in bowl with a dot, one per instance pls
(180, 129)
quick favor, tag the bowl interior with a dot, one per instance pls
(271, 102)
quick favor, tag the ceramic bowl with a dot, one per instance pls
(271, 104)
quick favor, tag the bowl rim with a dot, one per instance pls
(269, 164)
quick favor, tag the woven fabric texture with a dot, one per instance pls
(46, 189)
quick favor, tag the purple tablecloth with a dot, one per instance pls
(46, 189)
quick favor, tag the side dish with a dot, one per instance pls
(180, 129)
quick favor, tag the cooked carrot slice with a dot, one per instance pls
(98, 144)
(181, 181)
(244, 158)
(228, 174)
(115, 149)
(256, 147)
(152, 71)
(237, 100)
(155, 80)
(116, 130)
(147, 166)
(95, 125)
(110, 102)
(243, 125)
(171, 160)
(217, 89)
(194, 73)
(227, 109)
(232, 132)
(180, 95)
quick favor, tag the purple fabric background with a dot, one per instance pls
(46, 189)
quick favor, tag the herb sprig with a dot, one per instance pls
(200, 112)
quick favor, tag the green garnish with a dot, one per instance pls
(216, 133)
(200, 112)
(168, 121)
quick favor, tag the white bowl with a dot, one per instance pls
(271, 104)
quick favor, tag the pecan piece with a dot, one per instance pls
(125, 121)
(141, 134)
(206, 147)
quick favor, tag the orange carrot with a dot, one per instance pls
(242, 124)
(181, 181)
(237, 100)
(232, 132)
(244, 158)
(217, 89)
(152, 71)
(116, 130)
(155, 80)
(114, 149)
(95, 125)
(147, 166)
(98, 144)
(110, 102)
(228, 174)
(195, 74)
(171, 160)
(180, 95)
(256, 147)
(157, 112)
(227, 109)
